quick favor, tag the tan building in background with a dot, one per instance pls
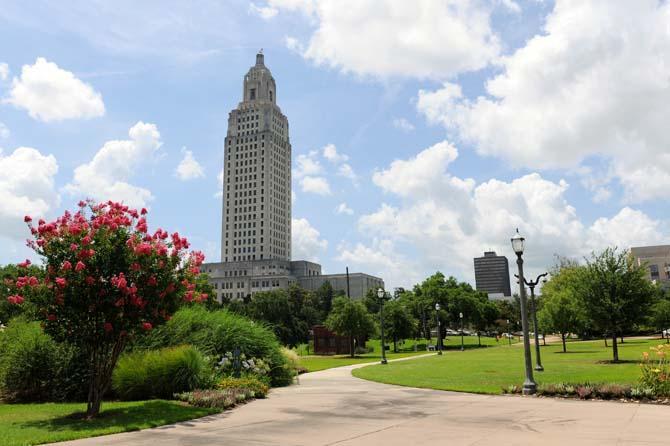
(657, 260)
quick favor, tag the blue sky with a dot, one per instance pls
(448, 123)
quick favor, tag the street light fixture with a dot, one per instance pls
(439, 329)
(461, 316)
(533, 308)
(529, 385)
(381, 294)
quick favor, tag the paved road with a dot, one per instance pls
(333, 408)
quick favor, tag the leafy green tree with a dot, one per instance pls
(350, 318)
(615, 293)
(398, 322)
(371, 301)
(107, 280)
(485, 317)
(660, 316)
(324, 296)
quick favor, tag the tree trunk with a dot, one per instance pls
(544, 339)
(395, 344)
(102, 362)
(622, 339)
(479, 338)
(606, 342)
(351, 346)
(563, 339)
(615, 348)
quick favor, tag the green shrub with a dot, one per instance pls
(160, 373)
(257, 387)
(216, 332)
(27, 356)
(217, 399)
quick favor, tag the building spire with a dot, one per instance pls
(259, 58)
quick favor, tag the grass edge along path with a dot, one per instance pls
(489, 370)
(28, 424)
(314, 363)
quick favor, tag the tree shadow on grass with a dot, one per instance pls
(575, 352)
(620, 361)
(149, 414)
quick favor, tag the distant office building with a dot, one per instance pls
(657, 261)
(492, 275)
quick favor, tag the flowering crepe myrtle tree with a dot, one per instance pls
(107, 280)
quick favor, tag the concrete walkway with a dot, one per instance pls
(332, 407)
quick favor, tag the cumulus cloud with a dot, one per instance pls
(305, 240)
(422, 38)
(219, 179)
(315, 185)
(450, 220)
(264, 12)
(49, 93)
(403, 124)
(330, 153)
(343, 208)
(307, 165)
(189, 168)
(26, 188)
(381, 259)
(346, 171)
(4, 71)
(108, 174)
(570, 95)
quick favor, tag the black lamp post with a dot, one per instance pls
(529, 385)
(533, 308)
(439, 329)
(461, 316)
(381, 294)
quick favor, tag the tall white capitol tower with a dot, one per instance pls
(256, 223)
(257, 174)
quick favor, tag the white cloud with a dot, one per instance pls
(4, 71)
(342, 208)
(26, 188)
(219, 178)
(449, 220)
(50, 93)
(4, 131)
(315, 185)
(403, 124)
(380, 259)
(346, 171)
(306, 242)
(422, 38)
(189, 168)
(264, 12)
(294, 44)
(570, 94)
(307, 165)
(330, 153)
(106, 176)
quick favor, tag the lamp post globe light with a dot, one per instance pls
(439, 329)
(381, 294)
(529, 385)
(460, 315)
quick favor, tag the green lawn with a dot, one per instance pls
(314, 363)
(488, 370)
(27, 424)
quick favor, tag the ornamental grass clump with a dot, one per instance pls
(655, 368)
(212, 398)
(107, 280)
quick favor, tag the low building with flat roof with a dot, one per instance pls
(657, 261)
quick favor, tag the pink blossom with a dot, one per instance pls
(66, 266)
(90, 280)
(143, 211)
(15, 299)
(147, 326)
(51, 317)
(61, 282)
(27, 219)
(108, 327)
(25, 264)
(80, 266)
(74, 247)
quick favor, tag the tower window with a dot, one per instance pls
(252, 94)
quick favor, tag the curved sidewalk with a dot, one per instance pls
(333, 407)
